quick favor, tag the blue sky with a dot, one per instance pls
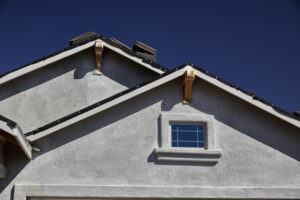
(253, 44)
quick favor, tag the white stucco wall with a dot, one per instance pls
(111, 153)
(66, 86)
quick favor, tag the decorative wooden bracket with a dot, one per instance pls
(189, 77)
(98, 57)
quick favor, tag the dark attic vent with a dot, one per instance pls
(297, 113)
(86, 37)
(144, 51)
(119, 43)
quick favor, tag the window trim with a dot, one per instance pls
(202, 119)
(165, 151)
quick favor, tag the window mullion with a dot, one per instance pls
(197, 137)
(177, 137)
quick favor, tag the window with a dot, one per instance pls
(187, 135)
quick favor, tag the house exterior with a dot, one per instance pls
(99, 120)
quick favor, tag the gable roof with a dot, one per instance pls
(80, 45)
(157, 81)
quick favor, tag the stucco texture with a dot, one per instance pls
(66, 86)
(115, 147)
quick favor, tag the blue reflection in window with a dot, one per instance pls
(187, 135)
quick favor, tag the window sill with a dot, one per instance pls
(187, 155)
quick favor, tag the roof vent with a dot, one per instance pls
(144, 51)
(83, 38)
(119, 43)
(297, 113)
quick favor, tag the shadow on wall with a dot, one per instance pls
(80, 72)
(206, 98)
(106, 118)
(15, 161)
(95, 122)
(47, 73)
(226, 108)
(124, 71)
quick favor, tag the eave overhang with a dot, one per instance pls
(149, 85)
(11, 132)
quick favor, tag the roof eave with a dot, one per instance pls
(64, 54)
(16, 133)
(164, 78)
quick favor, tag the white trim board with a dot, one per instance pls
(23, 192)
(155, 84)
(67, 53)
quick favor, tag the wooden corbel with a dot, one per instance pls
(189, 77)
(98, 57)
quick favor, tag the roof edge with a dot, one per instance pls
(144, 87)
(61, 54)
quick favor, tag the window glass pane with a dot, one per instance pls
(187, 144)
(174, 143)
(187, 135)
(183, 135)
(174, 135)
(200, 128)
(200, 136)
(174, 127)
(201, 144)
(187, 127)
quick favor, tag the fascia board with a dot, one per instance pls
(114, 102)
(25, 145)
(246, 98)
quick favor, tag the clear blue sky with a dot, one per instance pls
(253, 44)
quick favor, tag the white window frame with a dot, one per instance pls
(165, 151)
